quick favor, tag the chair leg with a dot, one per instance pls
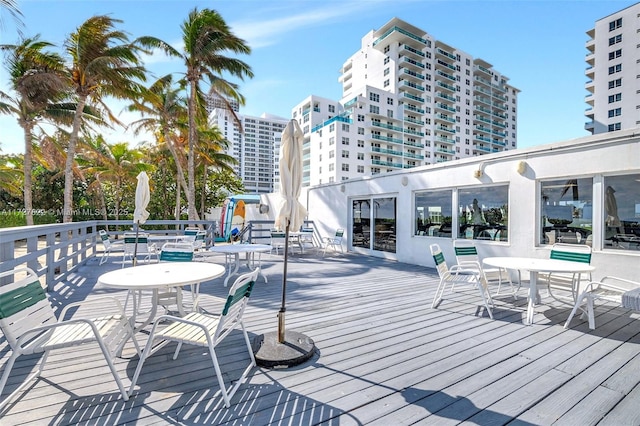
(575, 309)
(438, 296)
(592, 318)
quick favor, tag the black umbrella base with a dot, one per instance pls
(296, 349)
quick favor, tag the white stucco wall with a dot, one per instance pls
(594, 156)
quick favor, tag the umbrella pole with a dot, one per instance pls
(135, 247)
(284, 287)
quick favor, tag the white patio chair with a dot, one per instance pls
(609, 289)
(306, 239)
(108, 246)
(333, 242)
(207, 331)
(458, 274)
(28, 322)
(278, 240)
(561, 286)
(176, 252)
(144, 249)
(467, 256)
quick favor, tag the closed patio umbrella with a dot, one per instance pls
(287, 348)
(141, 214)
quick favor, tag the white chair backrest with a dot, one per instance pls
(571, 252)
(466, 252)
(338, 237)
(23, 304)
(236, 303)
(176, 252)
(438, 257)
(277, 237)
(130, 243)
(105, 238)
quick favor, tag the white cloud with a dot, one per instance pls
(261, 32)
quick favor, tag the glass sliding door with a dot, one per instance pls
(374, 224)
(361, 223)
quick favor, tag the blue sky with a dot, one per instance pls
(300, 45)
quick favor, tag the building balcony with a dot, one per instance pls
(444, 139)
(445, 86)
(386, 126)
(406, 61)
(442, 52)
(413, 97)
(482, 138)
(445, 96)
(406, 49)
(386, 138)
(445, 75)
(479, 69)
(481, 128)
(443, 117)
(386, 151)
(386, 164)
(396, 34)
(414, 121)
(445, 150)
(413, 108)
(445, 107)
(416, 144)
(406, 84)
(413, 132)
(444, 65)
(590, 73)
(482, 80)
(411, 74)
(445, 129)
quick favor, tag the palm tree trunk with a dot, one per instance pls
(203, 196)
(178, 206)
(67, 215)
(28, 170)
(193, 134)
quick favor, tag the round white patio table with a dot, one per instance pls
(235, 250)
(535, 266)
(157, 276)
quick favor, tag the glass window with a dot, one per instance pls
(567, 211)
(622, 212)
(433, 213)
(483, 213)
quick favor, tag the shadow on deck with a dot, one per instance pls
(383, 357)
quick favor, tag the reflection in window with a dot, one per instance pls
(622, 212)
(433, 213)
(384, 218)
(567, 209)
(483, 213)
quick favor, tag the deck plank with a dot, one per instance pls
(383, 357)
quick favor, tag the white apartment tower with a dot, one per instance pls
(614, 82)
(256, 149)
(407, 100)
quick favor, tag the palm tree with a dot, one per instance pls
(207, 38)
(165, 113)
(36, 78)
(211, 154)
(103, 63)
(118, 165)
(12, 7)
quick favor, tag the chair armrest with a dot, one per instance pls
(31, 336)
(98, 301)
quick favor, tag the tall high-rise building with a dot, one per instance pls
(612, 60)
(408, 100)
(256, 150)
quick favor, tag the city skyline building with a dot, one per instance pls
(256, 149)
(613, 97)
(407, 100)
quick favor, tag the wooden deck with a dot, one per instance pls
(384, 357)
